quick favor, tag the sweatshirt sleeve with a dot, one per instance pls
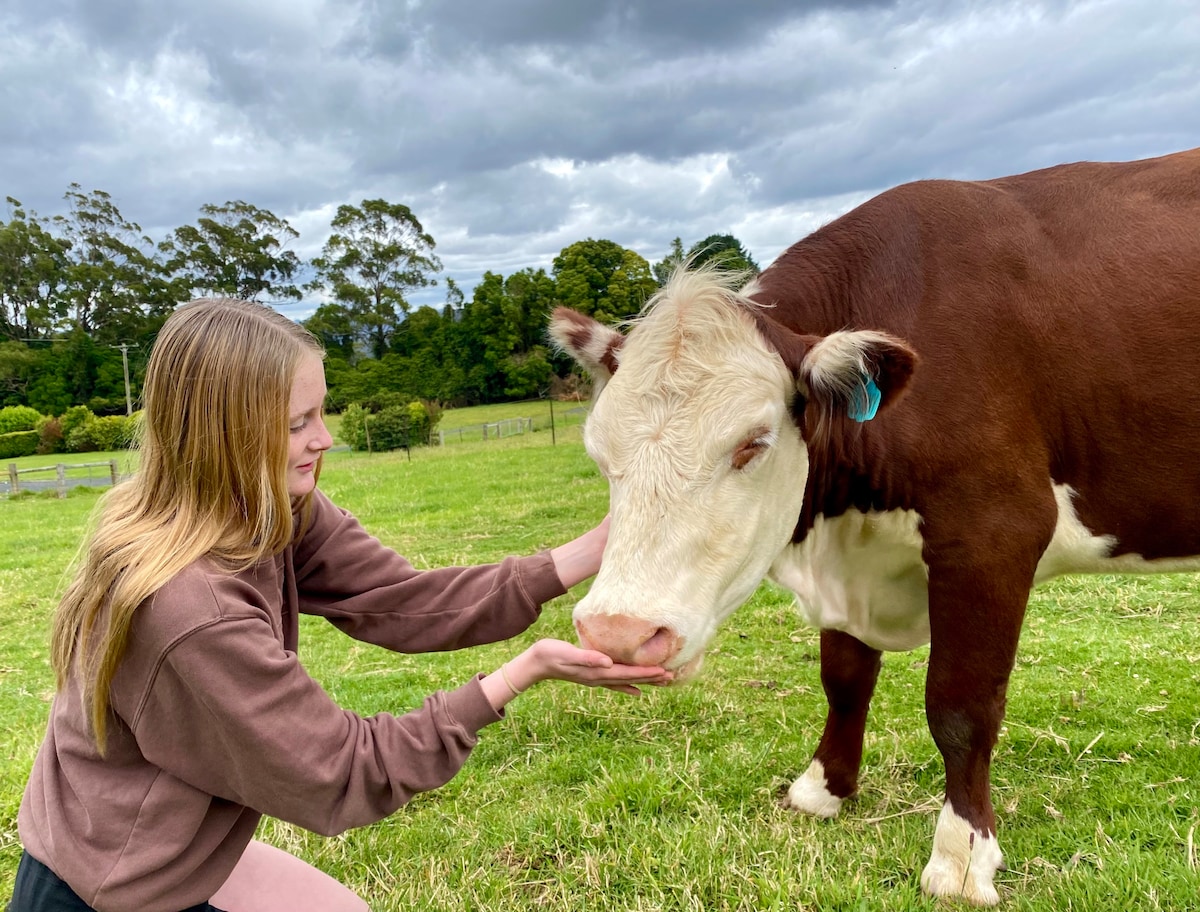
(370, 592)
(232, 713)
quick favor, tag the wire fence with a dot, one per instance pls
(510, 427)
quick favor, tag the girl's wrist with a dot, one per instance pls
(578, 559)
(518, 674)
(516, 691)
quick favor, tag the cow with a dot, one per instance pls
(951, 393)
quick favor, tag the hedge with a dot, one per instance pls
(18, 443)
(15, 418)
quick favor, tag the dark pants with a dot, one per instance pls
(38, 889)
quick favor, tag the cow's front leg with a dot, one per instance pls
(974, 643)
(849, 669)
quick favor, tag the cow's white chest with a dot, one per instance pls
(862, 573)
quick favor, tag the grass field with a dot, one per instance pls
(588, 800)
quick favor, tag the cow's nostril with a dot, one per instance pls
(657, 648)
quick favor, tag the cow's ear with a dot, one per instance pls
(591, 343)
(857, 374)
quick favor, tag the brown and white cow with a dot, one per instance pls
(1032, 345)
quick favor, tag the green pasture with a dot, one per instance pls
(589, 800)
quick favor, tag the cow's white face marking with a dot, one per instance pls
(706, 472)
(963, 862)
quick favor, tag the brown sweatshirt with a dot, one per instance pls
(215, 722)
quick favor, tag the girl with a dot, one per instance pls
(182, 713)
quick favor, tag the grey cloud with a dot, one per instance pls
(617, 29)
(301, 105)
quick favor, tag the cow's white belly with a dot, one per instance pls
(862, 573)
(1074, 549)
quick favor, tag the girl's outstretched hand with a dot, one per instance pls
(557, 660)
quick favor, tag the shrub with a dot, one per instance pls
(433, 409)
(17, 444)
(15, 418)
(391, 429)
(424, 418)
(50, 436)
(351, 431)
(108, 433)
(72, 418)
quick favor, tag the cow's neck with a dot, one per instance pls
(837, 279)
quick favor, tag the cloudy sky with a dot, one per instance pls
(515, 127)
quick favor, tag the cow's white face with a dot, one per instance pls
(706, 473)
(693, 429)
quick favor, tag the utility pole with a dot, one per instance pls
(125, 346)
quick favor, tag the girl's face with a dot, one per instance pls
(308, 437)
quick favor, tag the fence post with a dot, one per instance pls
(12, 478)
(112, 468)
(60, 471)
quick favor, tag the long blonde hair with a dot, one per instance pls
(212, 480)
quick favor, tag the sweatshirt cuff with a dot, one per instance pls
(539, 579)
(470, 707)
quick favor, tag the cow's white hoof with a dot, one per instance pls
(810, 793)
(963, 862)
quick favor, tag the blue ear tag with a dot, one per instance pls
(866, 400)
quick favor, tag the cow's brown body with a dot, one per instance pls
(1051, 425)
(1057, 316)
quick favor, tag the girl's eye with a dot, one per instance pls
(297, 428)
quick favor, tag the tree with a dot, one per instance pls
(532, 295)
(602, 279)
(113, 279)
(667, 265)
(376, 253)
(332, 325)
(491, 334)
(431, 356)
(20, 365)
(726, 252)
(33, 267)
(454, 296)
(236, 250)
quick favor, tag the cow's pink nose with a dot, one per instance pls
(631, 641)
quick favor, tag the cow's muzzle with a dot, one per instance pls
(628, 640)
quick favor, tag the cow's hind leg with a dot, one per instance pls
(849, 669)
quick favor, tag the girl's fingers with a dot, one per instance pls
(623, 688)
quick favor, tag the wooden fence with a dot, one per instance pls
(61, 481)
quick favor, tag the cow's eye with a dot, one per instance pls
(751, 447)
